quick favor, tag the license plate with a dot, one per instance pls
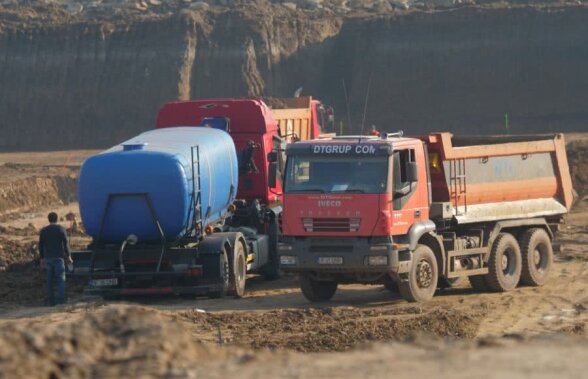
(330, 260)
(104, 282)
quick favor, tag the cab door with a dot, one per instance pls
(409, 188)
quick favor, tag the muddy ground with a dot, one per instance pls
(365, 331)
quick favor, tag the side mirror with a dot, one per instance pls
(272, 156)
(412, 172)
(272, 178)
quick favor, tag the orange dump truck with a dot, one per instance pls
(303, 118)
(418, 213)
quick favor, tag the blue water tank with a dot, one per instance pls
(157, 167)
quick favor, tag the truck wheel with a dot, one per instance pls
(238, 271)
(271, 270)
(316, 290)
(478, 283)
(422, 277)
(537, 254)
(390, 284)
(504, 265)
(223, 277)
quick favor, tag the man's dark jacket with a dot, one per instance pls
(53, 242)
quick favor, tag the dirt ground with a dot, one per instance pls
(365, 331)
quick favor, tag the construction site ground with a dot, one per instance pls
(365, 331)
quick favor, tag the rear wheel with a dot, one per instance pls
(317, 290)
(223, 276)
(238, 271)
(537, 254)
(504, 264)
(422, 277)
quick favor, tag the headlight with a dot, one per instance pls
(379, 248)
(377, 260)
(288, 260)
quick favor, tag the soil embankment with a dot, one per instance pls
(98, 75)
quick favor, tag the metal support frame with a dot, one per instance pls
(109, 201)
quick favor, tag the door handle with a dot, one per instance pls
(417, 213)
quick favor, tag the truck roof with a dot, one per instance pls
(343, 145)
(246, 116)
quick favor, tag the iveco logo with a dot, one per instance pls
(329, 203)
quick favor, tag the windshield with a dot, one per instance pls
(325, 174)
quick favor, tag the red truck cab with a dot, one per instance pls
(252, 127)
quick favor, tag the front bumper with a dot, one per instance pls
(353, 255)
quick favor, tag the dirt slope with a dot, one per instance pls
(97, 75)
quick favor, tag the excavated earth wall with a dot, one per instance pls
(92, 83)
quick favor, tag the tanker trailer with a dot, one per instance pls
(155, 207)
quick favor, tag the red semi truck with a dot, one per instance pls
(417, 213)
(260, 134)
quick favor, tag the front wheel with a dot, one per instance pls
(317, 290)
(422, 277)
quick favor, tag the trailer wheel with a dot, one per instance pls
(422, 277)
(316, 290)
(223, 276)
(505, 263)
(478, 283)
(537, 254)
(238, 271)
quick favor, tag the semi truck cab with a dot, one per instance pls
(395, 210)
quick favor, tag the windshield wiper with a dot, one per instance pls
(310, 190)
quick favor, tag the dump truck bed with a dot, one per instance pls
(487, 178)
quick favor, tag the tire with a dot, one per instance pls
(422, 277)
(537, 254)
(478, 283)
(504, 264)
(237, 271)
(223, 277)
(271, 270)
(390, 284)
(315, 290)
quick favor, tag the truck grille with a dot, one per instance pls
(341, 225)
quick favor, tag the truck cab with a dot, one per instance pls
(349, 200)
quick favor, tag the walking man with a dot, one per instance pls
(54, 251)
